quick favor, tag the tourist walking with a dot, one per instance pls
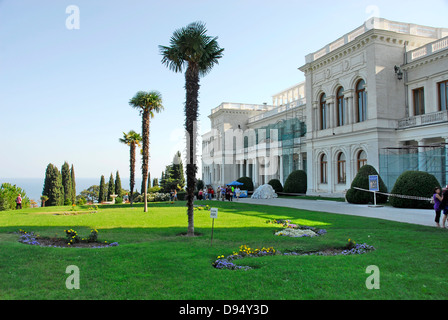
(223, 193)
(437, 205)
(200, 194)
(175, 195)
(444, 205)
(19, 202)
(237, 193)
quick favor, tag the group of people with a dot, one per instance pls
(441, 204)
(222, 192)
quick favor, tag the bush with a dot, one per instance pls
(181, 195)
(118, 200)
(276, 184)
(200, 185)
(8, 195)
(414, 183)
(296, 182)
(362, 181)
(153, 197)
(155, 189)
(247, 183)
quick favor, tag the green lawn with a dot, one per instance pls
(153, 262)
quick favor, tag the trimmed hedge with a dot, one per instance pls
(414, 183)
(296, 182)
(362, 181)
(276, 184)
(247, 183)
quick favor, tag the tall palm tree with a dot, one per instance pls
(148, 103)
(192, 50)
(132, 139)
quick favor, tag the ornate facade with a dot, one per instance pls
(377, 95)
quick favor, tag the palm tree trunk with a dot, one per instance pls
(132, 167)
(145, 142)
(191, 116)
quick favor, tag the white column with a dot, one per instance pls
(330, 113)
(256, 172)
(281, 169)
(446, 160)
(421, 155)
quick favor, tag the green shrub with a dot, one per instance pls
(118, 200)
(247, 183)
(296, 182)
(155, 189)
(414, 183)
(153, 197)
(276, 184)
(362, 181)
(181, 195)
(8, 195)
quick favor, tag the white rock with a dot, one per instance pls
(264, 191)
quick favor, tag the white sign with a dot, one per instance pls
(214, 213)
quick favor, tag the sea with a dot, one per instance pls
(33, 186)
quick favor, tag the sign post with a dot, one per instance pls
(374, 186)
(213, 215)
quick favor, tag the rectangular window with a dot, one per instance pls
(419, 101)
(323, 172)
(443, 95)
(341, 111)
(362, 106)
(341, 171)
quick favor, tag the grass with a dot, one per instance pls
(153, 262)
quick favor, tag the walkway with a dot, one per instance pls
(415, 216)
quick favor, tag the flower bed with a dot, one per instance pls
(244, 252)
(295, 230)
(72, 240)
(223, 262)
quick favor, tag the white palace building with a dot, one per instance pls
(378, 95)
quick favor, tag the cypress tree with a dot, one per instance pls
(53, 187)
(155, 182)
(118, 189)
(67, 183)
(72, 176)
(178, 170)
(111, 187)
(102, 192)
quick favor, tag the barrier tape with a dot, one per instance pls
(397, 195)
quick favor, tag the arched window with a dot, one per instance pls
(246, 142)
(361, 101)
(340, 106)
(341, 167)
(323, 111)
(323, 168)
(361, 158)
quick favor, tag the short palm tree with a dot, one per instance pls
(147, 103)
(132, 139)
(192, 50)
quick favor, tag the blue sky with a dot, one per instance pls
(64, 93)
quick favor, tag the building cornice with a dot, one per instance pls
(362, 41)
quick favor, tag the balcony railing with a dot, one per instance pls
(278, 110)
(240, 106)
(381, 24)
(424, 119)
(427, 50)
